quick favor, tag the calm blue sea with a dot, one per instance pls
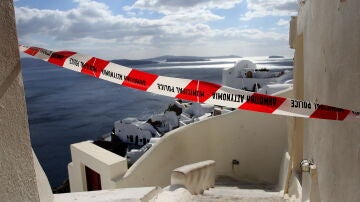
(66, 107)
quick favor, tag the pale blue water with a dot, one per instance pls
(66, 107)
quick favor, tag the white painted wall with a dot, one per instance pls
(42, 182)
(258, 141)
(331, 32)
(17, 173)
(109, 165)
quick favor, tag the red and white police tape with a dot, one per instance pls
(191, 90)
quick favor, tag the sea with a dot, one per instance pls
(66, 107)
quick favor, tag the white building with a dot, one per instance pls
(133, 131)
(245, 75)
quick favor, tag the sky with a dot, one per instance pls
(137, 29)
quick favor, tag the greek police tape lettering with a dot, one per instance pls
(191, 90)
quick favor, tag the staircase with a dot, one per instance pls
(228, 189)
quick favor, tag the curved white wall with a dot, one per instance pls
(258, 141)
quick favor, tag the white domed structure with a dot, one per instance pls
(246, 76)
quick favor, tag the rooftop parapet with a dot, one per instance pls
(91, 161)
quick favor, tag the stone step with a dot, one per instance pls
(226, 193)
(229, 189)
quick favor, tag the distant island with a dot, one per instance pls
(224, 57)
(172, 58)
(126, 62)
(276, 56)
(185, 59)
